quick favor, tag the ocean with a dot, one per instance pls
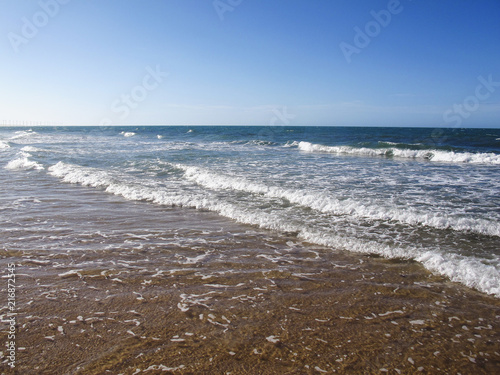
(249, 250)
(429, 195)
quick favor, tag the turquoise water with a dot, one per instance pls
(431, 195)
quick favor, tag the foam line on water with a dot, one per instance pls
(132, 191)
(22, 162)
(430, 155)
(467, 270)
(326, 204)
(23, 134)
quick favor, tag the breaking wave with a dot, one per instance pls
(430, 155)
(22, 162)
(467, 270)
(326, 204)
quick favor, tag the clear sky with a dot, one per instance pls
(251, 62)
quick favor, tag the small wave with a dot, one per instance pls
(430, 155)
(398, 145)
(4, 145)
(128, 134)
(467, 270)
(100, 179)
(260, 142)
(23, 163)
(159, 136)
(23, 134)
(79, 175)
(325, 204)
(291, 144)
(30, 149)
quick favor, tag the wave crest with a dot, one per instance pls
(326, 204)
(430, 155)
(23, 163)
(467, 270)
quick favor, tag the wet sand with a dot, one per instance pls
(233, 305)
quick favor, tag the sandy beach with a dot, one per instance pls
(283, 308)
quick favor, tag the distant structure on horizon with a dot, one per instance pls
(29, 123)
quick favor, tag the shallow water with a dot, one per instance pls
(141, 288)
(421, 194)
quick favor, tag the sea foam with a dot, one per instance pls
(22, 162)
(23, 134)
(467, 270)
(430, 155)
(326, 204)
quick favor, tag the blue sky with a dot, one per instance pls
(251, 62)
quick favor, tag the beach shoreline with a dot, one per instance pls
(291, 308)
(143, 270)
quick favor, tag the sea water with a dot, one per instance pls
(429, 195)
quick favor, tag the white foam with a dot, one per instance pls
(467, 270)
(162, 368)
(79, 175)
(273, 339)
(128, 134)
(196, 259)
(23, 134)
(323, 203)
(30, 149)
(100, 179)
(4, 145)
(431, 155)
(22, 162)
